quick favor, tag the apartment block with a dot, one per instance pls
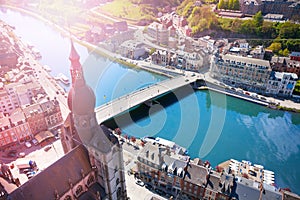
(159, 33)
(248, 73)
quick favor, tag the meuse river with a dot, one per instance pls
(210, 125)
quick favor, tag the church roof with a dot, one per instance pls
(81, 100)
(56, 177)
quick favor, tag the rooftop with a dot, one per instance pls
(56, 177)
(247, 60)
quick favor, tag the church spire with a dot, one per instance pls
(76, 68)
(81, 98)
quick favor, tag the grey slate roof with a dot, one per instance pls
(55, 177)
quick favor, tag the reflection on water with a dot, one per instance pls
(249, 131)
(264, 136)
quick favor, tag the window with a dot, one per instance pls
(119, 193)
(68, 197)
(79, 190)
(90, 180)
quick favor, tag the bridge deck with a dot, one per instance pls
(124, 103)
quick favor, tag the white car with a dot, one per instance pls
(34, 141)
(28, 144)
(139, 182)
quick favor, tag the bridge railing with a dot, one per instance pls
(137, 92)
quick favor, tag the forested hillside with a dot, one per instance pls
(282, 38)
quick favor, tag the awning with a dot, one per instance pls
(41, 136)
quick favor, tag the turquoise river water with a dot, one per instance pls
(210, 125)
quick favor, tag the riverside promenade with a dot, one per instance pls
(124, 103)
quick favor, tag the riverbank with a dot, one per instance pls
(286, 105)
(97, 49)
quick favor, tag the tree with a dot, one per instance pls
(297, 88)
(285, 52)
(268, 30)
(118, 131)
(258, 19)
(289, 30)
(236, 5)
(230, 5)
(275, 47)
(221, 4)
(133, 139)
(126, 137)
(152, 50)
(247, 27)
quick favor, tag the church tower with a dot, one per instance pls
(81, 127)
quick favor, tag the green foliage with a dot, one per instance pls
(187, 10)
(258, 19)
(280, 37)
(211, 1)
(236, 5)
(297, 88)
(221, 4)
(248, 27)
(289, 30)
(229, 4)
(275, 47)
(184, 7)
(202, 18)
(268, 30)
(152, 50)
(293, 45)
(284, 52)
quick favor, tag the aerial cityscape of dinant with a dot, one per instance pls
(149, 99)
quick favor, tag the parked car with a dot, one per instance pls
(149, 187)
(34, 141)
(21, 154)
(30, 174)
(139, 182)
(254, 95)
(263, 98)
(160, 192)
(12, 153)
(28, 144)
(47, 148)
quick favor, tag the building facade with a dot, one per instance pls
(20, 126)
(159, 33)
(247, 73)
(285, 64)
(295, 56)
(281, 84)
(14, 129)
(286, 8)
(6, 104)
(6, 136)
(132, 49)
(35, 118)
(162, 168)
(52, 113)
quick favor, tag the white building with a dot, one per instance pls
(132, 49)
(159, 33)
(281, 83)
(189, 61)
(248, 73)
